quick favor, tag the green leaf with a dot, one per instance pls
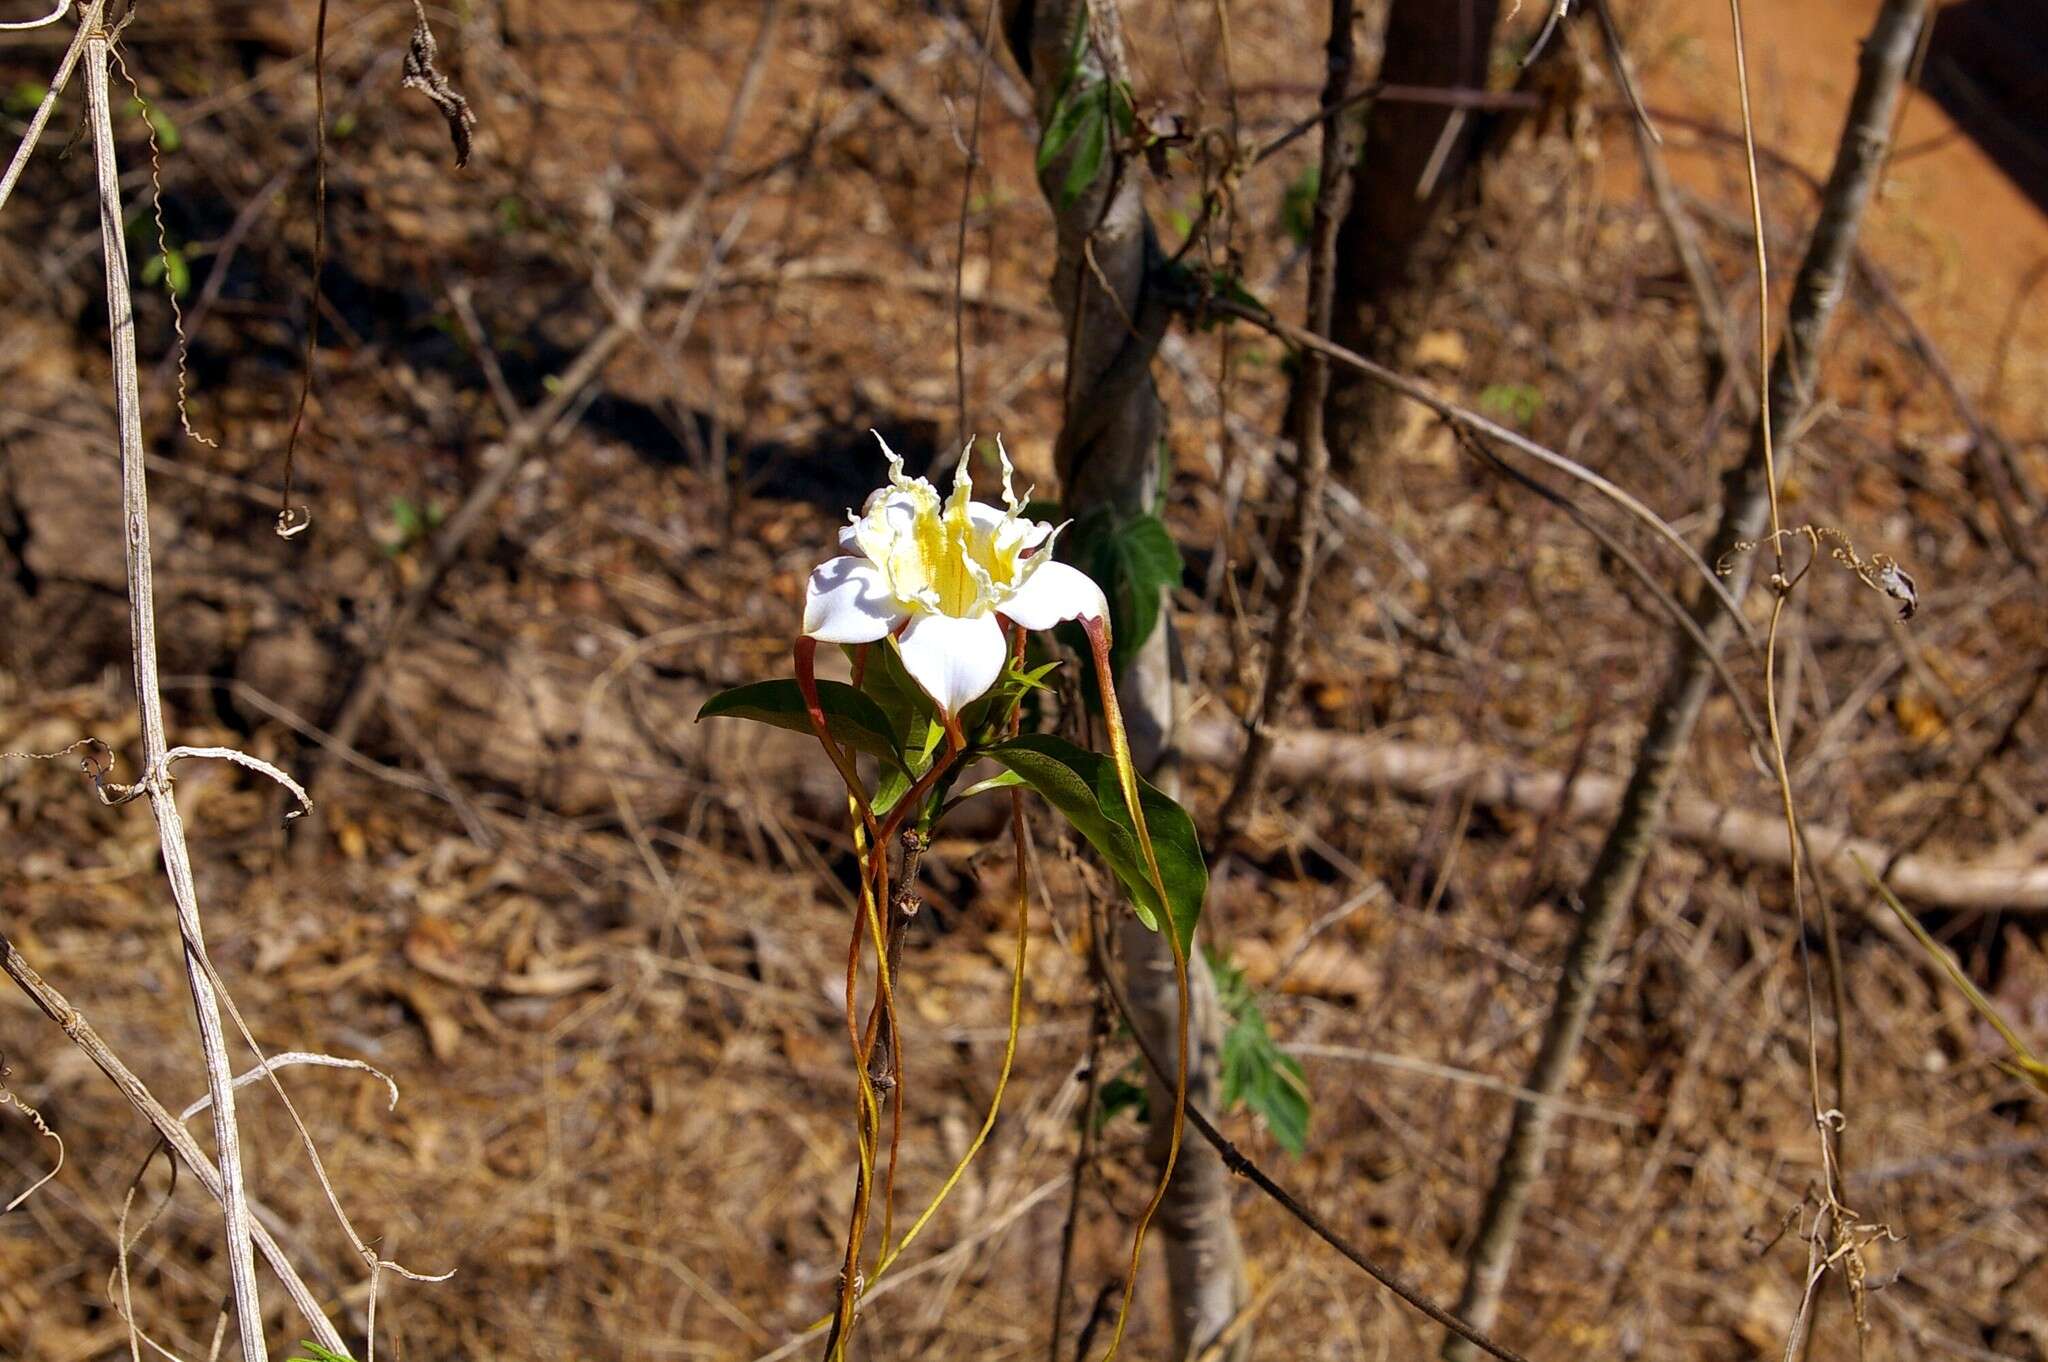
(1257, 1076)
(989, 716)
(1087, 162)
(313, 1352)
(177, 273)
(1133, 559)
(411, 523)
(850, 716)
(1004, 781)
(1516, 402)
(1125, 1092)
(1076, 49)
(1298, 206)
(1067, 116)
(1123, 110)
(25, 98)
(1083, 786)
(913, 720)
(168, 138)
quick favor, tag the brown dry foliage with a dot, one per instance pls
(627, 1095)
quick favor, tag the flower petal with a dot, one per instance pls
(1006, 530)
(847, 601)
(956, 660)
(1055, 592)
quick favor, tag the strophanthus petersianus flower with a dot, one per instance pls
(940, 575)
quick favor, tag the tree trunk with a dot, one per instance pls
(1108, 453)
(1395, 238)
(1611, 886)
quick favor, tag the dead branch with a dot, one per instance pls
(172, 1131)
(1426, 771)
(1640, 811)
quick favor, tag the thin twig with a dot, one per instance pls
(1306, 410)
(88, 21)
(1239, 1163)
(988, 34)
(1473, 421)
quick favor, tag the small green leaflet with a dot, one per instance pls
(1125, 1092)
(909, 711)
(1298, 206)
(313, 1352)
(1085, 114)
(1087, 162)
(169, 266)
(1516, 402)
(1256, 1075)
(850, 716)
(1083, 786)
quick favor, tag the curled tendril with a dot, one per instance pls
(1880, 572)
(63, 8)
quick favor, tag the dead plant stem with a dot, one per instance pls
(88, 22)
(155, 779)
(72, 1022)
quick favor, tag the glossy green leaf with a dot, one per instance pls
(913, 719)
(1077, 48)
(1068, 114)
(850, 716)
(1082, 786)
(1092, 147)
(1134, 560)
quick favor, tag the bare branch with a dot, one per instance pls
(88, 20)
(58, 1009)
(155, 780)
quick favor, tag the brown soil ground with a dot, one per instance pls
(600, 948)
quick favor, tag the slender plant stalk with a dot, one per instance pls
(1746, 506)
(155, 779)
(1306, 416)
(1127, 777)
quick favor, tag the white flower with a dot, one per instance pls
(937, 573)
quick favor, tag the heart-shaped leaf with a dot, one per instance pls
(1083, 786)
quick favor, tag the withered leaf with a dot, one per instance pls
(421, 74)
